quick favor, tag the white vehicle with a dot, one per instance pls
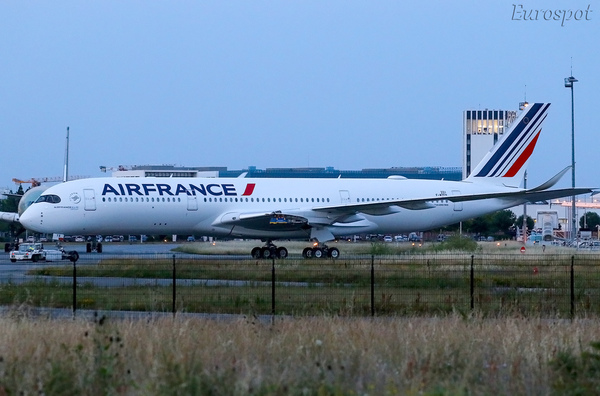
(36, 252)
(310, 209)
(28, 251)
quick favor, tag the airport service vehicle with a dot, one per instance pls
(28, 251)
(317, 210)
(35, 252)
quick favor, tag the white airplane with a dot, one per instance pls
(311, 209)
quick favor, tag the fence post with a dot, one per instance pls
(74, 287)
(472, 283)
(273, 286)
(572, 287)
(372, 285)
(174, 287)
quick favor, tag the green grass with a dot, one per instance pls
(422, 284)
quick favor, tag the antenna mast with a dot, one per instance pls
(66, 167)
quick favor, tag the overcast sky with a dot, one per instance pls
(237, 83)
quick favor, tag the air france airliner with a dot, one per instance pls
(317, 210)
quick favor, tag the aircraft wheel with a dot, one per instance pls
(13, 260)
(307, 253)
(256, 253)
(282, 252)
(99, 247)
(35, 258)
(266, 252)
(333, 253)
(317, 253)
(88, 248)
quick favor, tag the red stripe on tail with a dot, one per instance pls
(514, 169)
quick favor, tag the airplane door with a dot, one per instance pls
(458, 206)
(345, 196)
(89, 199)
(192, 202)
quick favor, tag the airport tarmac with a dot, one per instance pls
(15, 272)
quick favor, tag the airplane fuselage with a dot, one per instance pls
(211, 206)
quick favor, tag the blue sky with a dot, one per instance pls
(349, 84)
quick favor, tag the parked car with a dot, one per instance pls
(191, 238)
(414, 237)
(387, 238)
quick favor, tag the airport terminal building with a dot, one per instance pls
(428, 172)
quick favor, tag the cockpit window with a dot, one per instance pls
(48, 198)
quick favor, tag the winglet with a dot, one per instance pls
(552, 181)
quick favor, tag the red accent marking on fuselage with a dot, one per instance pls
(249, 189)
(514, 169)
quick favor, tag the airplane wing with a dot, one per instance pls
(9, 217)
(520, 196)
(351, 213)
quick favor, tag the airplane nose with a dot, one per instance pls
(31, 219)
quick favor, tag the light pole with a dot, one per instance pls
(569, 81)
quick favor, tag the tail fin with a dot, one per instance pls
(506, 162)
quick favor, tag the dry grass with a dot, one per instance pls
(315, 356)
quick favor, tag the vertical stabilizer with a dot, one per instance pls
(506, 162)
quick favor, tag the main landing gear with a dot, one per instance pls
(321, 251)
(269, 251)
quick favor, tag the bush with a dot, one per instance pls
(457, 242)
